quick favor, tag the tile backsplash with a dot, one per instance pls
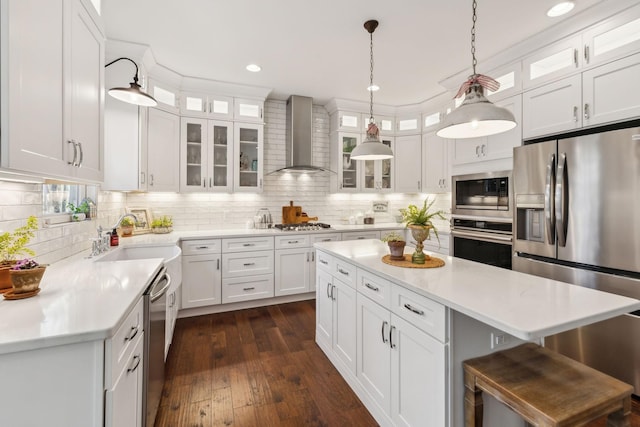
(209, 211)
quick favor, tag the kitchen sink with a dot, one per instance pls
(171, 254)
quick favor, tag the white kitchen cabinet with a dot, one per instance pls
(347, 171)
(247, 268)
(123, 402)
(163, 138)
(386, 124)
(408, 158)
(493, 147)
(62, 38)
(248, 148)
(408, 123)
(552, 62)
(201, 273)
(436, 164)
(248, 110)
(613, 38)
(347, 121)
(206, 155)
(167, 97)
(360, 235)
(378, 175)
(206, 106)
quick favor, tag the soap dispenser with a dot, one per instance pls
(114, 238)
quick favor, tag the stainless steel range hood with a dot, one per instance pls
(299, 136)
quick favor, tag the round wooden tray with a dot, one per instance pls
(11, 295)
(434, 262)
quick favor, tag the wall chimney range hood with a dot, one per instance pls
(299, 137)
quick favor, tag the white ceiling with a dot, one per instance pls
(320, 48)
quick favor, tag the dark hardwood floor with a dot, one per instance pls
(260, 367)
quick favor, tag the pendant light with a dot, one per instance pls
(477, 116)
(371, 148)
(132, 94)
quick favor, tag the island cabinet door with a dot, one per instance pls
(373, 349)
(418, 371)
(344, 323)
(324, 310)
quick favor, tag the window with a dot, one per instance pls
(57, 198)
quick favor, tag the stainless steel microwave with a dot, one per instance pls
(483, 195)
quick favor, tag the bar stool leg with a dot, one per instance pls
(473, 405)
(622, 417)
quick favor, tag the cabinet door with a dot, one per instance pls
(344, 324)
(201, 280)
(220, 156)
(248, 152)
(248, 110)
(163, 142)
(435, 160)
(194, 104)
(468, 150)
(606, 92)
(552, 62)
(348, 122)
(408, 158)
(348, 170)
(553, 108)
(33, 132)
(85, 91)
(378, 174)
(615, 37)
(123, 402)
(500, 146)
(373, 350)
(418, 377)
(324, 310)
(409, 124)
(193, 154)
(292, 271)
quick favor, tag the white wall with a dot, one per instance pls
(204, 211)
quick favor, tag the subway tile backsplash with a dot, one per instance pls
(209, 211)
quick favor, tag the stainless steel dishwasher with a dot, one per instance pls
(155, 309)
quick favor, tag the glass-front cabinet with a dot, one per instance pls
(348, 177)
(248, 145)
(378, 174)
(205, 155)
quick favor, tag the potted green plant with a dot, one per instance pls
(12, 245)
(26, 275)
(161, 225)
(420, 222)
(80, 212)
(126, 226)
(396, 244)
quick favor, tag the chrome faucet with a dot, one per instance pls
(132, 216)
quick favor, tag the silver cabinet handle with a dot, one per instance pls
(586, 111)
(75, 153)
(346, 273)
(586, 53)
(414, 310)
(136, 363)
(248, 244)
(151, 179)
(477, 151)
(313, 256)
(384, 338)
(326, 240)
(248, 289)
(391, 344)
(291, 242)
(373, 288)
(218, 267)
(202, 247)
(482, 150)
(323, 261)
(142, 177)
(204, 182)
(328, 290)
(210, 182)
(575, 114)
(210, 109)
(575, 57)
(333, 296)
(307, 256)
(248, 264)
(419, 185)
(81, 154)
(359, 238)
(132, 333)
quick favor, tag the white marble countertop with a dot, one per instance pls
(80, 300)
(525, 306)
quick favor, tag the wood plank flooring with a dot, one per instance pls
(260, 367)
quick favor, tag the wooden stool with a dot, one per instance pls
(545, 388)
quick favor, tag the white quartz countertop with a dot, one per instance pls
(525, 306)
(80, 300)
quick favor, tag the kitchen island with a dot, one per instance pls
(399, 335)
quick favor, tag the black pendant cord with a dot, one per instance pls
(135, 77)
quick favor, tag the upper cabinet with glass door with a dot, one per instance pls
(378, 174)
(348, 171)
(248, 110)
(206, 105)
(249, 154)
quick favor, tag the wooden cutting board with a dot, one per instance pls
(291, 214)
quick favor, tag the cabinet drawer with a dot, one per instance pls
(361, 235)
(425, 314)
(201, 247)
(247, 264)
(345, 272)
(325, 261)
(333, 237)
(119, 347)
(247, 244)
(375, 287)
(247, 288)
(294, 241)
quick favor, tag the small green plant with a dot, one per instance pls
(411, 215)
(14, 244)
(163, 221)
(392, 237)
(126, 222)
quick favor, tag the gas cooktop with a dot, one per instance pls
(307, 226)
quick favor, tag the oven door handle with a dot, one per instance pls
(155, 293)
(485, 237)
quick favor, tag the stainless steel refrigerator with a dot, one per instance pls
(577, 220)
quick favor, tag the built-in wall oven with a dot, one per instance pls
(482, 218)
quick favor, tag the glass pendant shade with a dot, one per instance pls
(476, 117)
(133, 95)
(371, 149)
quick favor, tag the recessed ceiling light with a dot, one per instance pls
(254, 68)
(373, 88)
(560, 9)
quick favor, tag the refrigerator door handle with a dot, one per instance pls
(561, 200)
(549, 199)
